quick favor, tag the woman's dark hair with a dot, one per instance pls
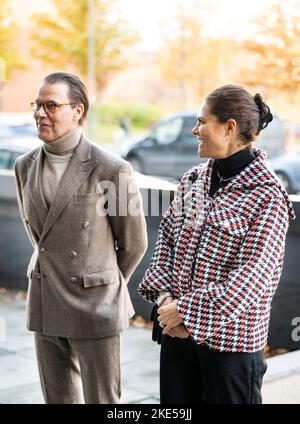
(234, 102)
(77, 90)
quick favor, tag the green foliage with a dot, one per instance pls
(139, 116)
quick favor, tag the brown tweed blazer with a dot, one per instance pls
(82, 260)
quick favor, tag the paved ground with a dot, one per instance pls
(19, 377)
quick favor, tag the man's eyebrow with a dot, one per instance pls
(47, 101)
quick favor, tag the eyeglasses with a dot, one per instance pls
(49, 107)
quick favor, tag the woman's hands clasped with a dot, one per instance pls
(169, 319)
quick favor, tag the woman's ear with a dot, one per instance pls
(231, 127)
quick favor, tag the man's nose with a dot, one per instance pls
(41, 112)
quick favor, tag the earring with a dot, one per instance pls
(227, 138)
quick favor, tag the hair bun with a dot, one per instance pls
(265, 115)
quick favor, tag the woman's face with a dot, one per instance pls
(213, 136)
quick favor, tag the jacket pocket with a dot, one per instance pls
(86, 199)
(222, 237)
(100, 278)
(228, 222)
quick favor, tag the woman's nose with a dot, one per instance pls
(195, 130)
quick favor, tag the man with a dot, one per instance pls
(78, 302)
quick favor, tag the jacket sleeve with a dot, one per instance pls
(20, 203)
(128, 223)
(259, 258)
(159, 274)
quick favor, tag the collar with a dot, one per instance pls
(257, 173)
(64, 144)
(232, 165)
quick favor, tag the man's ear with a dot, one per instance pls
(78, 112)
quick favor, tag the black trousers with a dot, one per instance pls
(192, 373)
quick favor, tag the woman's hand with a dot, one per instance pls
(179, 331)
(168, 315)
(167, 300)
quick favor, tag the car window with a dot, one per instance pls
(4, 159)
(6, 132)
(25, 130)
(186, 132)
(22, 130)
(168, 132)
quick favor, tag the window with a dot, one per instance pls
(168, 132)
(186, 133)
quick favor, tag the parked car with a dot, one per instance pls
(15, 125)
(170, 148)
(10, 149)
(287, 168)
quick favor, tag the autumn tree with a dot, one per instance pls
(62, 38)
(275, 50)
(9, 56)
(189, 58)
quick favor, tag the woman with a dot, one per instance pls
(218, 259)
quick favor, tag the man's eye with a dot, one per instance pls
(51, 106)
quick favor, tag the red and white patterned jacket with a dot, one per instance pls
(222, 256)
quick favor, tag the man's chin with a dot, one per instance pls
(46, 138)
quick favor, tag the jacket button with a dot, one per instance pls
(42, 249)
(86, 225)
(73, 280)
(37, 275)
(72, 254)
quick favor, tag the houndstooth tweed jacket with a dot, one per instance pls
(222, 256)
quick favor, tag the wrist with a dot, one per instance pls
(161, 298)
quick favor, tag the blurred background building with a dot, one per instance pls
(152, 58)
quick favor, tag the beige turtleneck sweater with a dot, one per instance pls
(58, 154)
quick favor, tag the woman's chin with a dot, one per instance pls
(202, 152)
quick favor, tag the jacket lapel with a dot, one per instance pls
(78, 170)
(35, 191)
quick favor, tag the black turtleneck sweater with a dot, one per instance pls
(230, 167)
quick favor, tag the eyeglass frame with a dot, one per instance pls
(57, 105)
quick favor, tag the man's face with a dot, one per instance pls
(53, 125)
